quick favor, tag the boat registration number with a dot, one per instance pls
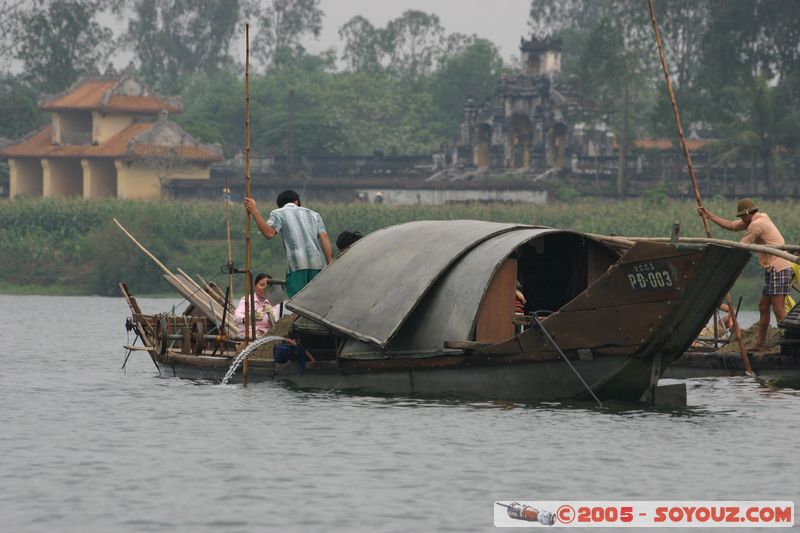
(651, 276)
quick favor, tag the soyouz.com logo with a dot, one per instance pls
(719, 513)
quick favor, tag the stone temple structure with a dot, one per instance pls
(528, 122)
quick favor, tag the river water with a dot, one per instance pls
(86, 447)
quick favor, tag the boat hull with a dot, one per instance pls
(534, 381)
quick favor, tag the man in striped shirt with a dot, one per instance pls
(307, 246)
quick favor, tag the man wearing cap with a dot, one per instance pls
(777, 271)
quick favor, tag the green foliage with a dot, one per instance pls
(60, 41)
(72, 246)
(213, 110)
(283, 24)
(174, 39)
(18, 108)
(469, 73)
(764, 127)
(658, 196)
(565, 193)
(352, 113)
(363, 45)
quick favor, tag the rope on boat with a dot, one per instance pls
(553, 342)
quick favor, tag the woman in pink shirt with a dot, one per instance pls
(265, 314)
(777, 271)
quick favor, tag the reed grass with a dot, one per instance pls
(72, 243)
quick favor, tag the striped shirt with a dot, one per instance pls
(299, 228)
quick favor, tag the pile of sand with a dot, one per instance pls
(750, 337)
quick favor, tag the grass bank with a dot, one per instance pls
(71, 246)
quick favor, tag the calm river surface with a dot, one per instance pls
(84, 447)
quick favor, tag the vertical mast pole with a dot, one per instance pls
(695, 186)
(249, 313)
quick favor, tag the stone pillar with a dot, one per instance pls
(87, 178)
(47, 179)
(467, 123)
(13, 179)
(55, 135)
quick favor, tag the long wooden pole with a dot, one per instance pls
(228, 236)
(755, 248)
(695, 186)
(248, 306)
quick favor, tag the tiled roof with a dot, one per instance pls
(139, 104)
(121, 146)
(88, 95)
(95, 95)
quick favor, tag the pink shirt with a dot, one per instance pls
(762, 231)
(262, 306)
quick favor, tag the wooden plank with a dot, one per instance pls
(466, 345)
(632, 283)
(495, 316)
(138, 348)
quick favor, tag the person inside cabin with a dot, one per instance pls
(777, 271)
(345, 240)
(265, 314)
(519, 300)
(307, 246)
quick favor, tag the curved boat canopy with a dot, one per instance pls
(416, 285)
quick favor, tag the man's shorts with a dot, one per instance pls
(777, 283)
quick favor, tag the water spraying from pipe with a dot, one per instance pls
(247, 351)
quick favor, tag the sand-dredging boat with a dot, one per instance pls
(428, 307)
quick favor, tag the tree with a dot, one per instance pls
(175, 38)
(60, 42)
(414, 42)
(747, 39)
(283, 24)
(18, 108)
(364, 47)
(9, 10)
(471, 71)
(213, 109)
(763, 128)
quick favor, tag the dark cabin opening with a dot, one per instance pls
(554, 269)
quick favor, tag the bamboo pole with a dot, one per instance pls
(142, 248)
(756, 248)
(249, 306)
(228, 235)
(769, 249)
(215, 307)
(184, 284)
(695, 186)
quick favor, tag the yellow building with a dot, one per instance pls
(108, 137)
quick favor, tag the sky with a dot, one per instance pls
(503, 22)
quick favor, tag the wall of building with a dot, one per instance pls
(62, 177)
(106, 126)
(449, 196)
(25, 177)
(99, 178)
(140, 180)
(75, 127)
